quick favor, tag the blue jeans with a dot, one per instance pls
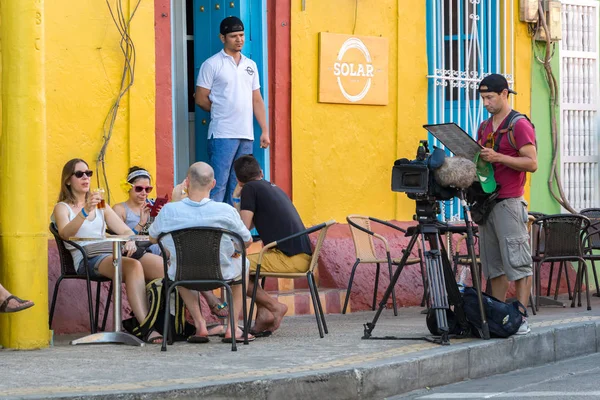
(221, 155)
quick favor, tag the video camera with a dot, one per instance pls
(416, 177)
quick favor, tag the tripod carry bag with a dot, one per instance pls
(503, 319)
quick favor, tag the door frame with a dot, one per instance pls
(183, 132)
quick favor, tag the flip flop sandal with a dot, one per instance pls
(198, 339)
(153, 340)
(222, 331)
(22, 305)
(261, 334)
(238, 340)
(218, 308)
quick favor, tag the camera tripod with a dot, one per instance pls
(441, 283)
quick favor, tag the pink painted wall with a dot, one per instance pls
(335, 265)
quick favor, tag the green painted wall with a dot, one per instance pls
(541, 199)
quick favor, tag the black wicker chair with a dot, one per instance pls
(592, 241)
(537, 253)
(309, 275)
(563, 241)
(199, 268)
(67, 271)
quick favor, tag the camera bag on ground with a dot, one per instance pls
(180, 329)
(503, 319)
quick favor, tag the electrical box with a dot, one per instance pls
(528, 10)
(552, 9)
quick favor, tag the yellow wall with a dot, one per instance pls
(343, 154)
(83, 73)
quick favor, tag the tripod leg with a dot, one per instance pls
(393, 288)
(376, 287)
(369, 326)
(471, 248)
(423, 279)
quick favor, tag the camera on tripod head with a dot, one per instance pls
(416, 178)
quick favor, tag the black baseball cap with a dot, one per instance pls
(494, 83)
(231, 24)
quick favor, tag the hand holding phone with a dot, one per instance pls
(158, 204)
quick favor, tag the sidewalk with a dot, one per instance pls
(295, 362)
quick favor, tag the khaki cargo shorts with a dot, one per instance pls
(504, 241)
(275, 261)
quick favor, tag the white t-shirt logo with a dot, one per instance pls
(250, 71)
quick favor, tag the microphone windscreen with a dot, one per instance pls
(457, 172)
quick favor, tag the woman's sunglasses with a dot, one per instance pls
(139, 189)
(79, 174)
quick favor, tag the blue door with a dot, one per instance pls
(463, 45)
(207, 17)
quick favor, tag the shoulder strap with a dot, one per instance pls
(72, 214)
(482, 127)
(507, 127)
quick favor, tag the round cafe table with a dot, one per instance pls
(116, 336)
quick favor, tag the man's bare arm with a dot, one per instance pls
(526, 162)
(202, 100)
(260, 112)
(247, 217)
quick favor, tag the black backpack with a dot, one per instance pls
(503, 319)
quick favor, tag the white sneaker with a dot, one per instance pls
(524, 329)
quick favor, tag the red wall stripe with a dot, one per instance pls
(164, 110)
(280, 86)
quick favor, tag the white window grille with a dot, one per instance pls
(580, 158)
(467, 40)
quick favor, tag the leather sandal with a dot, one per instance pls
(23, 305)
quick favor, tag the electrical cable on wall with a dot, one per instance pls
(355, 16)
(127, 77)
(554, 182)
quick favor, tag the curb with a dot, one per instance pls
(470, 359)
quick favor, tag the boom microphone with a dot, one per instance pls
(457, 172)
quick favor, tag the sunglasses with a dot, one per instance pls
(139, 189)
(79, 174)
(490, 141)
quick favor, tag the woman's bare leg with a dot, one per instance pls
(153, 266)
(133, 277)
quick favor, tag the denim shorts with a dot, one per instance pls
(93, 263)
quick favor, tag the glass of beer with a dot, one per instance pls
(102, 203)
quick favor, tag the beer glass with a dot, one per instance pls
(102, 203)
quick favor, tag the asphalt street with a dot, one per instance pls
(573, 379)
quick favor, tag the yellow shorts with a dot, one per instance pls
(275, 261)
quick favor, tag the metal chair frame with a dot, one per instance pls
(592, 241)
(203, 273)
(557, 249)
(309, 275)
(67, 271)
(366, 254)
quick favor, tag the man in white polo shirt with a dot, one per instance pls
(229, 89)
